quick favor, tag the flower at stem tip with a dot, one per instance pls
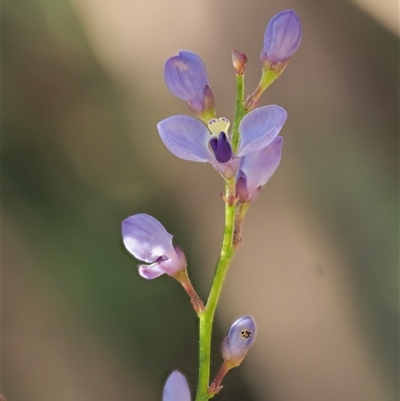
(186, 77)
(176, 388)
(282, 38)
(147, 240)
(239, 61)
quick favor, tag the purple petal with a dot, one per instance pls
(176, 388)
(186, 76)
(221, 148)
(240, 337)
(260, 127)
(150, 271)
(146, 238)
(174, 265)
(186, 137)
(282, 37)
(258, 167)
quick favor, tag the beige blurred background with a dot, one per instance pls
(318, 269)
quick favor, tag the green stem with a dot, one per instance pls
(267, 77)
(239, 111)
(207, 317)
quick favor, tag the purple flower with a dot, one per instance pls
(188, 139)
(240, 337)
(176, 388)
(147, 240)
(186, 77)
(256, 169)
(282, 38)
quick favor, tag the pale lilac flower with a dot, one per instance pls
(147, 240)
(176, 388)
(188, 139)
(282, 38)
(256, 169)
(186, 77)
(240, 337)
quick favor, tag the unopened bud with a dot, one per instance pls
(239, 60)
(282, 38)
(240, 337)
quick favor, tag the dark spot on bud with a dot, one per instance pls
(246, 333)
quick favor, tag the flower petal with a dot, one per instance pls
(282, 37)
(258, 167)
(175, 264)
(186, 137)
(260, 127)
(176, 388)
(186, 76)
(146, 238)
(151, 271)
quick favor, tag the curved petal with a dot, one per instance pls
(151, 271)
(175, 264)
(258, 167)
(176, 388)
(282, 37)
(146, 238)
(186, 76)
(186, 137)
(260, 127)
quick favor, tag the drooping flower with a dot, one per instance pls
(256, 169)
(186, 77)
(188, 139)
(282, 38)
(176, 388)
(240, 338)
(147, 240)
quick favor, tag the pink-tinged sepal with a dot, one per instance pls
(239, 61)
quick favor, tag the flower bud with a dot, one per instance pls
(282, 38)
(186, 77)
(176, 388)
(239, 60)
(240, 337)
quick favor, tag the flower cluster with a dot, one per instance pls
(246, 157)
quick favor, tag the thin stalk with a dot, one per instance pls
(239, 111)
(206, 318)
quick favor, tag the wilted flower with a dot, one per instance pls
(188, 139)
(282, 38)
(147, 240)
(240, 338)
(176, 388)
(186, 77)
(256, 169)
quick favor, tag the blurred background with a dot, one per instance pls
(318, 268)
